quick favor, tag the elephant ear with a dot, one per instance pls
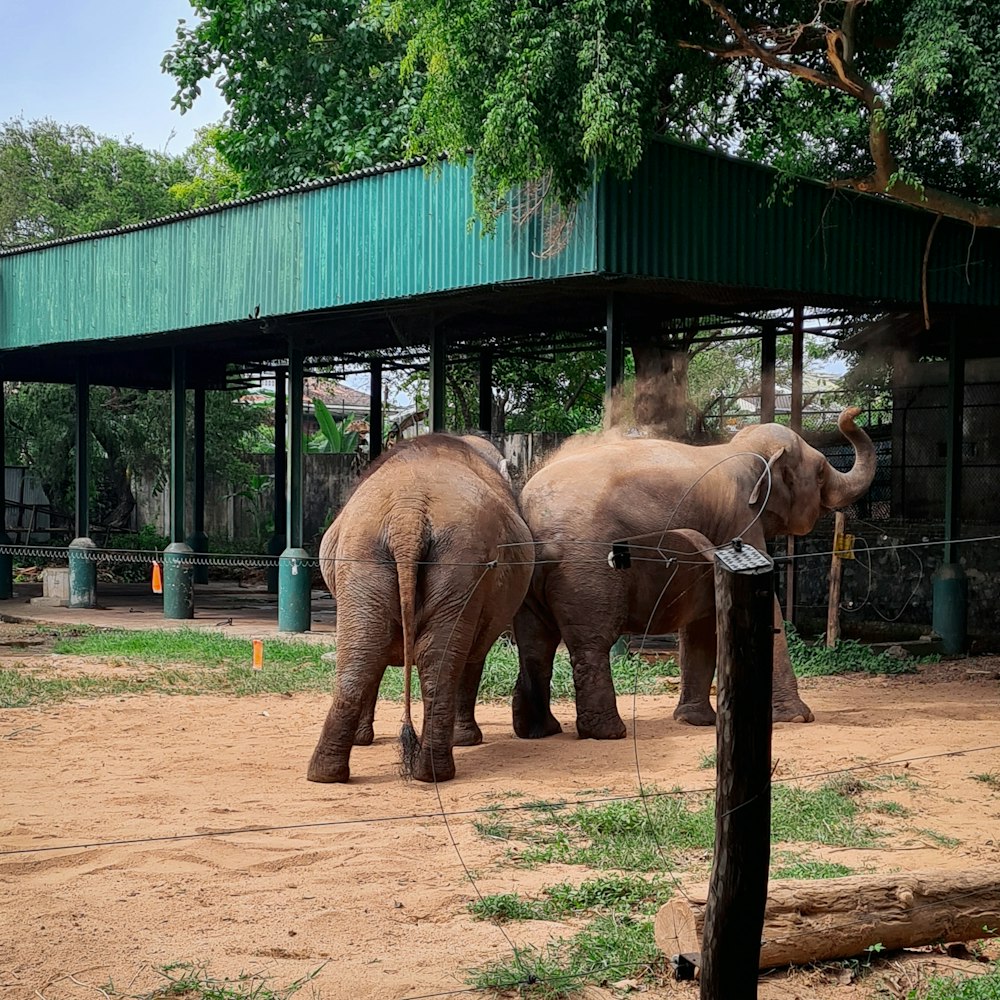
(765, 475)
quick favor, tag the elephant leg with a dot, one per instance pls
(364, 736)
(697, 655)
(537, 640)
(355, 688)
(597, 715)
(440, 672)
(786, 705)
(467, 732)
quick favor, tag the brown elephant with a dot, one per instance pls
(428, 560)
(664, 503)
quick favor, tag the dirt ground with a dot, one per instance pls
(366, 880)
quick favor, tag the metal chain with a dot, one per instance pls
(238, 560)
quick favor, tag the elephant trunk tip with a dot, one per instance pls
(409, 747)
(846, 419)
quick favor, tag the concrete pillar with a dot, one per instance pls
(376, 428)
(276, 543)
(486, 390)
(198, 540)
(178, 574)
(82, 567)
(614, 345)
(6, 559)
(294, 589)
(768, 357)
(437, 379)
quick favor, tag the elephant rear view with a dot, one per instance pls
(428, 560)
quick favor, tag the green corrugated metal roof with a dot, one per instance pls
(692, 215)
(388, 234)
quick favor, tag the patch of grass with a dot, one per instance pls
(181, 661)
(193, 661)
(506, 906)
(788, 865)
(990, 778)
(941, 839)
(889, 808)
(611, 893)
(848, 657)
(614, 946)
(708, 760)
(984, 987)
(637, 835)
(188, 981)
(494, 826)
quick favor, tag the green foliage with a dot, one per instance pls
(63, 180)
(190, 981)
(313, 89)
(848, 657)
(644, 835)
(787, 865)
(613, 946)
(129, 440)
(211, 179)
(989, 778)
(331, 438)
(983, 987)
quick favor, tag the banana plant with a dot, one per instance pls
(331, 438)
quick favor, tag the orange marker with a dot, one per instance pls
(258, 654)
(157, 579)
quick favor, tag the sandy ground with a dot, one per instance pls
(364, 880)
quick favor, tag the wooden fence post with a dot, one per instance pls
(734, 915)
(836, 572)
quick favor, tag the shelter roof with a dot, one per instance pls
(372, 261)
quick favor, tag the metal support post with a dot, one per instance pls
(294, 584)
(795, 422)
(486, 390)
(82, 568)
(768, 358)
(614, 346)
(198, 540)
(376, 430)
(437, 379)
(178, 574)
(6, 560)
(949, 584)
(276, 543)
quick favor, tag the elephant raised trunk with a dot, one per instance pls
(843, 488)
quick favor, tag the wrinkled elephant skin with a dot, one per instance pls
(668, 505)
(428, 560)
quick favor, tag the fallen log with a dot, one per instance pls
(812, 920)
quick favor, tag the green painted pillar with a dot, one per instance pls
(486, 390)
(178, 574)
(768, 359)
(6, 559)
(294, 583)
(82, 570)
(376, 428)
(949, 583)
(437, 379)
(276, 543)
(198, 540)
(614, 345)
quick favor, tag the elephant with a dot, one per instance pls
(663, 506)
(428, 561)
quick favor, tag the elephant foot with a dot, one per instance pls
(365, 735)
(327, 769)
(527, 729)
(467, 734)
(695, 714)
(600, 727)
(443, 769)
(791, 710)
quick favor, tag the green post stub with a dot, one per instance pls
(275, 546)
(294, 591)
(178, 581)
(950, 589)
(82, 574)
(620, 649)
(198, 541)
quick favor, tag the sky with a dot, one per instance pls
(97, 63)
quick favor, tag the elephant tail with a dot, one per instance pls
(407, 556)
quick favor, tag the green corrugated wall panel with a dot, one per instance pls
(383, 236)
(688, 215)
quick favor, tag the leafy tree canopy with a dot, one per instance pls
(63, 180)
(897, 97)
(313, 89)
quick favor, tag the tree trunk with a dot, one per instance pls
(661, 390)
(812, 920)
